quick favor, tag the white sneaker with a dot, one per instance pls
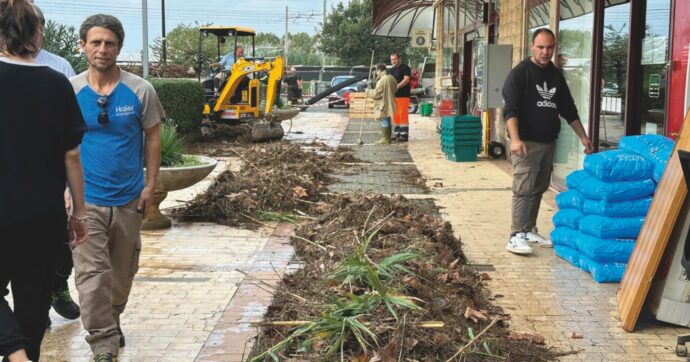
(534, 237)
(518, 244)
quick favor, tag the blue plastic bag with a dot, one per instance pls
(571, 199)
(605, 250)
(618, 165)
(629, 208)
(568, 218)
(564, 236)
(611, 228)
(593, 188)
(655, 148)
(570, 255)
(603, 272)
(575, 178)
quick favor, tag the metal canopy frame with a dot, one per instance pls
(399, 18)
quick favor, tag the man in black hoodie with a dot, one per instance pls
(535, 95)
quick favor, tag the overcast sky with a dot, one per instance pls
(262, 15)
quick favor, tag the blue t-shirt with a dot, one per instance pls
(112, 154)
(227, 61)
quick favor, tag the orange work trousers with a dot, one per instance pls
(400, 118)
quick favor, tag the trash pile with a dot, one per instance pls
(602, 212)
(278, 181)
(385, 279)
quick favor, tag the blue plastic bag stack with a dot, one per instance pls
(602, 212)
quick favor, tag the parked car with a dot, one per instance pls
(341, 97)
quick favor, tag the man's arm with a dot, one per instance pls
(517, 147)
(576, 125)
(404, 82)
(78, 231)
(152, 150)
(376, 93)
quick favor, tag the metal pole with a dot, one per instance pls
(145, 31)
(285, 46)
(163, 30)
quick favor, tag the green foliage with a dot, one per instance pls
(182, 101)
(172, 148)
(63, 40)
(347, 36)
(182, 47)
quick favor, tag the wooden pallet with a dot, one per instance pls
(651, 243)
(359, 108)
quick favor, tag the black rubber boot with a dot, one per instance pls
(62, 303)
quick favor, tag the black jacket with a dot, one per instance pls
(536, 96)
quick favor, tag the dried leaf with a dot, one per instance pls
(412, 282)
(576, 335)
(443, 277)
(527, 336)
(389, 353)
(300, 192)
(360, 358)
(454, 264)
(485, 276)
(474, 315)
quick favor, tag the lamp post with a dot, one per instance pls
(163, 31)
(145, 32)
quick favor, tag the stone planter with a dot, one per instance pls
(171, 179)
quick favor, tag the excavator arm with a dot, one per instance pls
(241, 69)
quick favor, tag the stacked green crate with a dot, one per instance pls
(461, 137)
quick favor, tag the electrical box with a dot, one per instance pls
(496, 63)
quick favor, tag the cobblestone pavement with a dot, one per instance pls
(541, 292)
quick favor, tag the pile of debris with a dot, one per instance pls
(385, 279)
(278, 181)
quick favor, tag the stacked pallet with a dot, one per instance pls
(361, 107)
(461, 137)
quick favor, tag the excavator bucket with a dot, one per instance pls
(267, 131)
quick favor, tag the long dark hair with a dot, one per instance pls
(18, 27)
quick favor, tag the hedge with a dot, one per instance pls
(182, 100)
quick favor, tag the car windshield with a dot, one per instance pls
(338, 80)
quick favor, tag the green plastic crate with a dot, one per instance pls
(462, 154)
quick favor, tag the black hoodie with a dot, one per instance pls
(536, 96)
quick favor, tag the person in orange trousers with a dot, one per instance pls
(402, 74)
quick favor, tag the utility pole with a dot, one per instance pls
(145, 32)
(285, 45)
(163, 31)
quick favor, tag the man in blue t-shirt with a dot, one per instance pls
(121, 110)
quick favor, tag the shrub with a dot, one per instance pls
(182, 100)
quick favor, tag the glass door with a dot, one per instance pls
(655, 46)
(613, 75)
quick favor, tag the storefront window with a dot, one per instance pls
(575, 53)
(654, 59)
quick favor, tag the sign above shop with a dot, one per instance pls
(421, 38)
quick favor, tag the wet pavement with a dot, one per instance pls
(201, 285)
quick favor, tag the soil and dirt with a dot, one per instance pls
(374, 267)
(438, 280)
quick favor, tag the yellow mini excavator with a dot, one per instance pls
(239, 96)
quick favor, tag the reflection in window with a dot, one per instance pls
(575, 50)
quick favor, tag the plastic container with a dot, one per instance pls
(425, 109)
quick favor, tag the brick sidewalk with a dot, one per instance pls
(541, 292)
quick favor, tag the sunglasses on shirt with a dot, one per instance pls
(102, 103)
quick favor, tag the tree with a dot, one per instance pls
(347, 36)
(63, 40)
(182, 46)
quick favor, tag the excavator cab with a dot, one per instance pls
(238, 96)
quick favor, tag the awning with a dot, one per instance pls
(399, 18)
